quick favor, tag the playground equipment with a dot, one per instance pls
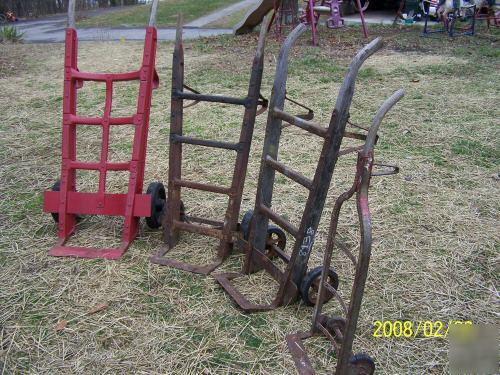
(259, 253)
(64, 201)
(459, 19)
(409, 11)
(490, 14)
(173, 218)
(338, 330)
(8, 16)
(257, 13)
(315, 8)
(284, 16)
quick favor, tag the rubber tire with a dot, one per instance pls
(310, 278)
(272, 229)
(245, 224)
(158, 204)
(364, 362)
(56, 187)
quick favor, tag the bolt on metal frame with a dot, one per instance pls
(256, 257)
(65, 202)
(174, 221)
(338, 330)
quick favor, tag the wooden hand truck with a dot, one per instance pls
(338, 330)
(173, 218)
(64, 201)
(292, 282)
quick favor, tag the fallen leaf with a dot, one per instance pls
(415, 80)
(102, 306)
(61, 325)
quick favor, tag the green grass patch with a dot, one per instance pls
(480, 153)
(166, 16)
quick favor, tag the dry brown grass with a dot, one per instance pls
(435, 253)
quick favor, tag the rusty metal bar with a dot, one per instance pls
(350, 150)
(203, 187)
(200, 229)
(280, 253)
(201, 220)
(346, 251)
(300, 123)
(290, 228)
(352, 135)
(205, 142)
(295, 176)
(180, 95)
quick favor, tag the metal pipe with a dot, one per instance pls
(71, 14)
(384, 108)
(152, 15)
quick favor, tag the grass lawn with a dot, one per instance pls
(435, 224)
(167, 13)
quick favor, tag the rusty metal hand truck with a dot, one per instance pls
(338, 330)
(173, 218)
(64, 201)
(292, 282)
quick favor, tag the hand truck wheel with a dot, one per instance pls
(332, 324)
(275, 236)
(56, 187)
(245, 224)
(55, 215)
(361, 364)
(158, 204)
(310, 285)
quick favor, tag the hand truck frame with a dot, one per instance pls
(64, 202)
(256, 256)
(173, 218)
(338, 330)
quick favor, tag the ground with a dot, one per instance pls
(167, 13)
(435, 224)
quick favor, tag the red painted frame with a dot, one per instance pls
(67, 202)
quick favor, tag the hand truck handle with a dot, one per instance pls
(152, 15)
(71, 14)
(377, 120)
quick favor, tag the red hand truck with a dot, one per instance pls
(340, 331)
(64, 201)
(293, 281)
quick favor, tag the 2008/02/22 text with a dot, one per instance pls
(410, 329)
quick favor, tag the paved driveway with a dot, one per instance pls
(50, 30)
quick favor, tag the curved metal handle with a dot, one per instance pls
(379, 116)
(152, 15)
(71, 14)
